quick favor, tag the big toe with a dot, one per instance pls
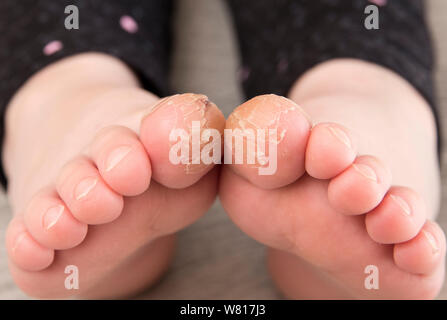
(265, 141)
(182, 135)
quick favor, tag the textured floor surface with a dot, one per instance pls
(214, 259)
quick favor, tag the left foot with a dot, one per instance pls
(328, 213)
(93, 187)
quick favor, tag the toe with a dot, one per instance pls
(330, 150)
(85, 193)
(179, 133)
(274, 132)
(50, 223)
(423, 253)
(398, 218)
(361, 187)
(25, 252)
(121, 160)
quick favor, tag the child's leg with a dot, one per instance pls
(330, 211)
(86, 148)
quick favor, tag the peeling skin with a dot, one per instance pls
(200, 106)
(161, 104)
(189, 108)
(265, 112)
(273, 123)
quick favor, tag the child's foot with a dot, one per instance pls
(91, 186)
(328, 212)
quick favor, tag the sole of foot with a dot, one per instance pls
(112, 208)
(328, 213)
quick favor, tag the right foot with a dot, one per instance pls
(94, 187)
(327, 214)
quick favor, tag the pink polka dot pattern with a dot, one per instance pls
(243, 73)
(380, 3)
(52, 47)
(129, 24)
(282, 66)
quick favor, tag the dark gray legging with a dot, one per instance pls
(279, 40)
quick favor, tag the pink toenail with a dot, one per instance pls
(341, 136)
(84, 187)
(431, 239)
(52, 216)
(18, 241)
(365, 171)
(401, 203)
(116, 156)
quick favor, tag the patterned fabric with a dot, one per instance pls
(281, 39)
(33, 35)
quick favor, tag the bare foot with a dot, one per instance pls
(328, 212)
(90, 181)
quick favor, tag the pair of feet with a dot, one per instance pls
(95, 188)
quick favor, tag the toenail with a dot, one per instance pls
(365, 171)
(52, 216)
(18, 241)
(84, 187)
(116, 156)
(340, 135)
(432, 241)
(401, 203)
